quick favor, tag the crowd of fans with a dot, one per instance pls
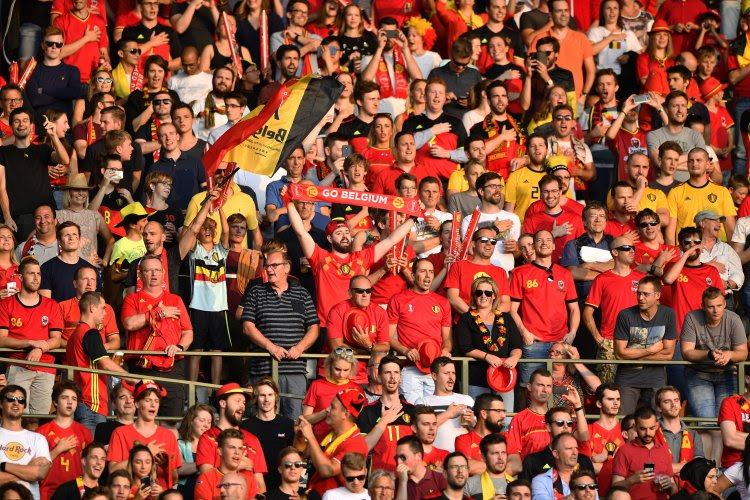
(581, 169)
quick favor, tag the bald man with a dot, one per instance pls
(233, 487)
(190, 83)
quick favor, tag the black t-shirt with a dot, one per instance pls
(422, 122)
(370, 415)
(103, 432)
(174, 263)
(274, 436)
(478, 129)
(199, 149)
(355, 128)
(512, 38)
(91, 164)
(277, 494)
(170, 214)
(142, 34)
(365, 45)
(541, 461)
(93, 345)
(26, 177)
(496, 70)
(200, 32)
(69, 490)
(58, 276)
(136, 104)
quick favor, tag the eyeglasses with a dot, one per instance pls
(644, 225)
(625, 248)
(159, 102)
(296, 465)
(49, 45)
(362, 291)
(557, 352)
(274, 265)
(350, 479)
(589, 486)
(691, 242)
(164, 183)
(493, 186)
(135, 50)
(457, 468)
(13, 99)
(343, 350)
(486, 293)
(12, 399)
(103, 79)
(485, 240)
(563, 423)
(563, 117)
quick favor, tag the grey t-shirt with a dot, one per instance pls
(463, 202)
(642, 334)
(687, 139)
(729, 334)
(474, 485)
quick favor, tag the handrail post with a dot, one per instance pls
(275, 369)
(741, 378)
(551, 401)
(191, 394)
(465, 376)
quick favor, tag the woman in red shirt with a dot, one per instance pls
(326, 25)
(8, 263)
(659, 53)
(378, 151)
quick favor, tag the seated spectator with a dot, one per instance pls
(196, 422)
(489, 411)
(123, 408)
(494, 451)
(418, 480)
(354, 472)
(193, 82)
(231, 448)
(93, 464)
(684, 444)
(424, 425)
(558, 478)
(698, 475)
(566, 375)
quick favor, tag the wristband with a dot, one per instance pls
(578, 409)
(179, 346)
(2, 466)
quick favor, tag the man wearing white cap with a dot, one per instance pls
(715, 252)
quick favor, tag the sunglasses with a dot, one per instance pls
(563, 117)
(691, 242)
(362, 291)
(296, 465)
(102, 79)
(625, 248)
(561, 423)
(485, 239)
(349, 479)
(162, 101)
(343, 350)
(12, 399)
(135, 51)
(57, 45)
(486, 293)
(459, 64)
(644, 225)
(590, 486)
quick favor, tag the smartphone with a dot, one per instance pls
(11, 287)
(145, 482)
(641, 99)
(541, 57)
(347, 150)
(559, 391)
(392, 33)
(648, 467)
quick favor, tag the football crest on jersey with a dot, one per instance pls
(709, 281)
(561, 284)
(712, 198)
(45, 320)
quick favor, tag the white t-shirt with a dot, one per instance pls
(607, 58)
(20, 448)
(500, 258)
(191, 88)
(208, 269)
(341, 493)
(448, 432)
(427, 62)
(423, 232)
(737, 478)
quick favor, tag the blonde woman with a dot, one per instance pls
(575, 375)
(8, 263)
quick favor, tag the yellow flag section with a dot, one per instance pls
(263, 139)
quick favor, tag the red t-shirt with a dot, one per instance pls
(434, 459)
(438, 261)
(687, 290)
(378, 332)
(601, 436)
(744, 209)
(72, 316)
(379, 160)
(355, 443)
(385, 181)
(390, 284)
(721, 122)
(319, 396)
(742, 87)
(124, 437)
(332, 275)
(617, 228)
(544, 221)
(31, 323)
(60, 6)
(86, 59)
(419, 316)
(538, 206)
(463, 273)
(10, 275)
(734, 409)
(207, 485)
(400, 10)
(84, 351)
(630, 459)
(171, 329)
(682, 12)
(468, 444)
(66, 466)
(544, 302)
(527, 433)
(208, 452)
(612, 293)
(625, 144)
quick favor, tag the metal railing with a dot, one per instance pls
(464, 363)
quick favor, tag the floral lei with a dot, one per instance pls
(486, 335)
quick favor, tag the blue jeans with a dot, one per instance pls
(741, 105)
(676, 373)
(30, 40)
(730, 18)
(705, 391)
(537, 350)
(87, 417)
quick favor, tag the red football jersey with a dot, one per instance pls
(171, 329)
(84, 352)
(625, 144)
(734, 409)
(601, 436)
(319, 396)
(390, 284)
(612, 293)
(66, 466)
(72, 316)
(463, 273)
(544, 298)
(208, 450)
(527, 433)
(544, 221)
(86, 59)
(31, 323)
(207, 485)
(385, 181)
(434, 459)
(468, 444)
(354, 443)
(617, 228)
(687, 290)
(10, 275)
(379, 160)
(419, 316)
(124, 437)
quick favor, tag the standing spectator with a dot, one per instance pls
(629, 464)
(418, 480)
(587, 265)
(66, 438)
(32, 322)
(545, 79)
(498, 23)
(719, 254)
(651, 255)
(388, 418)
(494, 451)
(42, 243)
(154, 37)
(489, 411)
(33, 465)
(611, 292)
(606, 431)
(645, 196)
(58, 273)
(424, 426)
(153, 310)
(522, 188)
(458, 75)
(124, 411)
(528, 431)
(611, 29)
(279, 317)
(210, 111)
(466, 201)
(669, 156)
(53, 84)
(86, 32)
(563, 142)
(734, 414)
(683, 19)
(194, 23)
(290, 467)
(404, 163)
(274, 431)
(647, 331)
(24, 177)
(684, 444)
(415, 315)
(86, 349)
(714, 339)
(11, 97)
(93, 464)
(544, 304)
(158, 186)
(125, 77)
(297, 14)
(183, 118)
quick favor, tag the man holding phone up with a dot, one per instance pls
(543, 72)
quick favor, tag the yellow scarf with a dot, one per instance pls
(744, 58)
(329, 444)
(488, 487)
(120, 81)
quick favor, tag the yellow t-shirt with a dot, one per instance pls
(127, 249)
(238, 203)
(654, 199)
(523, 189)
(458, 183)
(685, 201)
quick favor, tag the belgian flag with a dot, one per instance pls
(263, 139)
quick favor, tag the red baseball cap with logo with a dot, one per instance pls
(353, 400)
(233, 388)
(334, 225)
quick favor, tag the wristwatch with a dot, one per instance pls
(550, 83)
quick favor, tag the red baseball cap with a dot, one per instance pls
(353, 400)
(233, 388)
(145, 385)
(429, 351)
(334, 225)
(355, 317)
(501, 379)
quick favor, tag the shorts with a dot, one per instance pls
(210, 331)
